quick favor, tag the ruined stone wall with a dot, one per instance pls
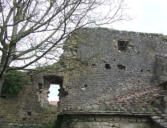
(99, 65)
(110, 70)
(25, 108)
(101, 121)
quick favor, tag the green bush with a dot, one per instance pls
(13, 82)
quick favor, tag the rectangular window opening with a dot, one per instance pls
(122, 45)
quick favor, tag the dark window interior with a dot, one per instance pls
(85, 85)
(107, 66)
(39, 85)
(121, 67)
(29, 113)
(122, 45)
(54, 79)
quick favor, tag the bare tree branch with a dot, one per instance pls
(31, 30)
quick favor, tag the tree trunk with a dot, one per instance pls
(1, 84)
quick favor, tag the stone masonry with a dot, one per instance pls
(27, 108)
(107, 78)
(118, 73)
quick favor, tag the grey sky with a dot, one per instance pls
(147, 16)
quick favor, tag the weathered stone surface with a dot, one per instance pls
(26, 108)
(104, 122)
(108, 71)
(119, 73)
(115, 73)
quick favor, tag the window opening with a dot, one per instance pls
(29, 113)
(85, 85)
(107, 66)
(53, 95)
(39, 85)
(122, 45)
(94, 65)
(121, 67)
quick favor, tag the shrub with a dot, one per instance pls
(13, 82)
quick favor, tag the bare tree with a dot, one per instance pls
(33, 31)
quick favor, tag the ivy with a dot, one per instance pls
(13, 82)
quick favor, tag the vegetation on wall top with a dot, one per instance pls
(13, 82)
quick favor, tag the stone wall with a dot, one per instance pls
(112, 63)
(98, 65)
(25, 108)
(102, 121)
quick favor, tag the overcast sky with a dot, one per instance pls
(147, 16)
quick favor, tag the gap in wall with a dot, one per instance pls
(122, 45)
(53, 95)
